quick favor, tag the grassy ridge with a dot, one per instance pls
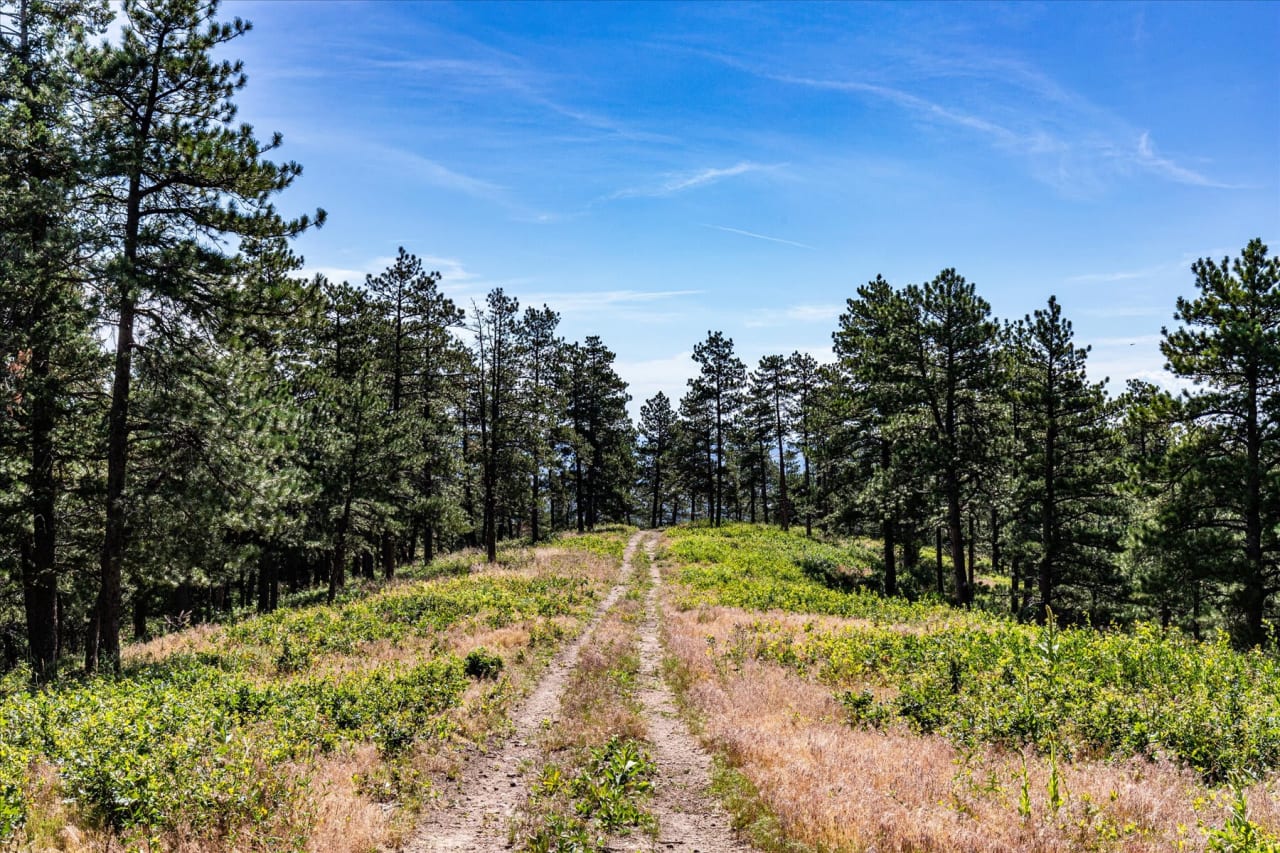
(758, 568)
(976, 678)
(220, 739)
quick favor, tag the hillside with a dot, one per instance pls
(547, 702)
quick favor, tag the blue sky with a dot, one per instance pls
(653, 171)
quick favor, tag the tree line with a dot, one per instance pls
(188, 425)
(958, 440)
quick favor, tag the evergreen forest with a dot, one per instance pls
(282, 558)
(189, 427)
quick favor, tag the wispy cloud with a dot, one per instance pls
(1127, 311)
(439, 175)
(678, 182)
(911, 102)
(793, 314)
(1069, 143)
(1121, 275)
(1151, 342)
(1180, 266)
(756, 236)
(436, 174)
(483, 77)
(1150, 160)
(596, 301)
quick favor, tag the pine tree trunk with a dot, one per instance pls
(338, 568)
(955, 530)
(388, 555)
(266, 576)
(104, 641)
(890, 564)
(140, 614)
(534, 508)
(656, 511)
(784, 512)
(1013, 585)
(1255, 591)
(1048, 523)
(973, 543)
(938, 552)
(40, 573)
(578, 492)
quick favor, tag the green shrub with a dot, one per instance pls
(481, 663)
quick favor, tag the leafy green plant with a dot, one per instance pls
(977, 678)
(1239, 834)
(482, 663)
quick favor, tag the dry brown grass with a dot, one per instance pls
(840, 788)
(200, 638)
(599, 701)
(345, 819)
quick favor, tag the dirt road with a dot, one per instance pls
(476, 815)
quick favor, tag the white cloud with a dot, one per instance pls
(764, 317)
(680, 181)
(1120, 359)
(595, 301)
(1075, 147)
(669, 374)
(449, 76)
(438, 175)
(1127, 311)
(1123, 275)
(1150, 160)
(759, 236)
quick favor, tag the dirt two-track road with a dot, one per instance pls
(476, 813)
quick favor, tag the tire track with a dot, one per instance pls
(478, 816)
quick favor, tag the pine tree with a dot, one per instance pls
(1229, 346)
(602, 439)
(948, 371)
(495, 330)
(751, 435)
(720, 383)
(870, 347)
(1163, 570)
(45, 322)
(657, 433)
(803, 370)
(1070, 467)
(542, 398)
(694, 455)
(175, 173)
(773, 383)
(356, 453)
